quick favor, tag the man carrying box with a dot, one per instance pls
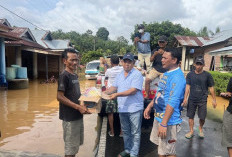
(70, 111)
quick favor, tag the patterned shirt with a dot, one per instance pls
(171, 89)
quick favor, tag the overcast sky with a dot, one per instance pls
(118, 16)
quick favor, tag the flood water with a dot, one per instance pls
(29, 121)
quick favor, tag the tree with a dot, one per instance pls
(203, 32)
(217, 30)
(102, 33)
(166, 28)
(91, 55)
(89, 32)
(122, 40)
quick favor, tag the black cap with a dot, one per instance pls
(141, 26)
(200, 59)
(129, 56)
(163, 38)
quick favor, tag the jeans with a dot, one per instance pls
(131, 128)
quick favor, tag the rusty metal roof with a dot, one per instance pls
(24, 43)
(5, 32)
(191, 40)
(24, 33)
(5, 22)
(4, 28)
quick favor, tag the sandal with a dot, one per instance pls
(111, 135)
(189, 135)
(124, 154)
(201, 134)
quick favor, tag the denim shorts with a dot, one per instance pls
(73, 134)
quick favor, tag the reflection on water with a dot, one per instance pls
(29, 120)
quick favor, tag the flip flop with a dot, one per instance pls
(189, 135)
(124, 154)
(111, 135)
(200, 134)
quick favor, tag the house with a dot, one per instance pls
(53, 58)
(34, 49)
(190, 47)
(5, 34)
(217, 50)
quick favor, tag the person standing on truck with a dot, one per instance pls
(196, 94)
(111, 105)
(70, 111)
(142, 42)
(128, 87)
(167, 105)
(157, 69)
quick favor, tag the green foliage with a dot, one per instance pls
(91, 55)
(166, 28)
(87, 42)
(204, 32)
(221, 80)
(102, 33)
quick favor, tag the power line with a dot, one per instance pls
(21, 17)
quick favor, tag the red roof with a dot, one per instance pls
(19, 31)
(191, 40)
(5, 32)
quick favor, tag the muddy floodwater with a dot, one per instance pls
(29, 121)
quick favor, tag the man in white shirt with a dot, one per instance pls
(111, 105)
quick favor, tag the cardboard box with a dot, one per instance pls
(93, 104)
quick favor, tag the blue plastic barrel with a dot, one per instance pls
(21, 73)
(10, 73)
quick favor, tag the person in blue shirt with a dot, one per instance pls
(142, 42)
(167, 104)
(128, 87)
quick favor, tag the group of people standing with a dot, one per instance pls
(125, 84)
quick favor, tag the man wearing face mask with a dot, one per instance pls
(143, 46)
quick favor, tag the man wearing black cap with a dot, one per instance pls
(143, 46)
(128, 87)
(197, 84)
(157, 69)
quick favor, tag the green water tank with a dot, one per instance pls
(10, 73)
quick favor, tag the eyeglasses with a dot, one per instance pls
(161, 42)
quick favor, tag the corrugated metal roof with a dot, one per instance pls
(4, 28)
(24, 43)
(5, 22)
(22, 33)
(222, 51)
(191, 41)
(5, 32)
(57, 44)
(40, 35)
(220, 37)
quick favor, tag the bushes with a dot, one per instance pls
(221, 80)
